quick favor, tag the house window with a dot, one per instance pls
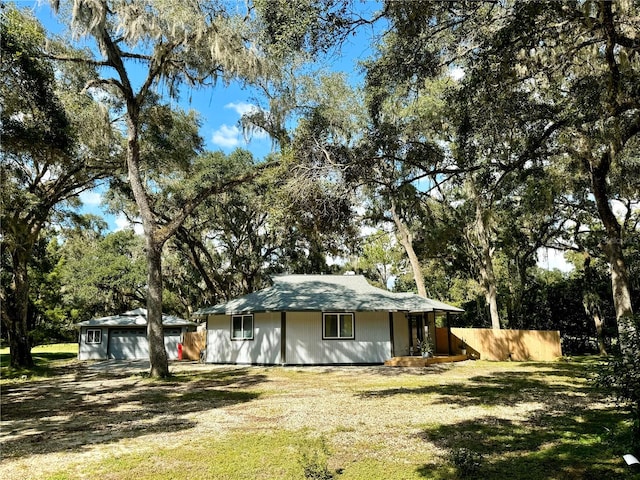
(337, 325)
(242, 327)
(94, 335)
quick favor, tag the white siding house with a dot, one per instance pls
(263, 348)
(124, 336)
(316, 320)
(306, 344)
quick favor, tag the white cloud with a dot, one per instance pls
(551, 259)
(122, 223)
(620, 209)
(91, 198)
(232, 136)
(226, 136)
(242, 107)
(340, 261)
(366, 230)
(456, 73)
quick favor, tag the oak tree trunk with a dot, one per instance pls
(612, 247)
(599, 170)
(488, 278)
(18, 332)
(157, 352)
(487, 275)
(591, 303)
(159, 366)
(406, 240)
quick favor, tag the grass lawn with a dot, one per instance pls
(468, 420)
(48, 359)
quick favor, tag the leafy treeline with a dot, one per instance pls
(483, 132)
(492, 130)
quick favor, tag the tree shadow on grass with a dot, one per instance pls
(379, 370)
(505, 388)
(554, 444)
(584, 366)
(46, 364)
(567, 431)
(545, 382)
(72, 412)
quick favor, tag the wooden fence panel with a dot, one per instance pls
(192, 343)
(519, 345)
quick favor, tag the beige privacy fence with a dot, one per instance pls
(192, 343)
(519, 345)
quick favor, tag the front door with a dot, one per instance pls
(416, 332)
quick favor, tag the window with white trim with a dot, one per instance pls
(94, 335)
(242, 327)
(337, 326)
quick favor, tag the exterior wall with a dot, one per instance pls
(400, 334)
(99, 351)
(519, 345)
(93, 351)
(263, 349)
(304, 343)
(172, 337)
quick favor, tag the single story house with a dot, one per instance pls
(124, 336)
(319, 320)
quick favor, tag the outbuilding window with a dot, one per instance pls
(94, 335)
(242, 327)
(337, 326)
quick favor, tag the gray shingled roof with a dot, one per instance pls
(326, 293)
(133, 318)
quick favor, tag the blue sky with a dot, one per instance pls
(220, 107)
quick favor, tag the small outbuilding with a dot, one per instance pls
(124, 336)
(319, 320)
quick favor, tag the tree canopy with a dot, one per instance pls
(481, 134)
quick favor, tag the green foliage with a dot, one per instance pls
(313, 460)
(310, 26)
(195, 42)
(237, 239)
(467, 462)
(102, 274)
(48, 318)
(56, 143)
(621, 376)
(380, 258)
(32, 114)
(521, 180)
(551, 300)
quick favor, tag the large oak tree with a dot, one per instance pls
(146, 47)
(55, 144)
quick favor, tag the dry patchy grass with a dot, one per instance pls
(523, 420)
